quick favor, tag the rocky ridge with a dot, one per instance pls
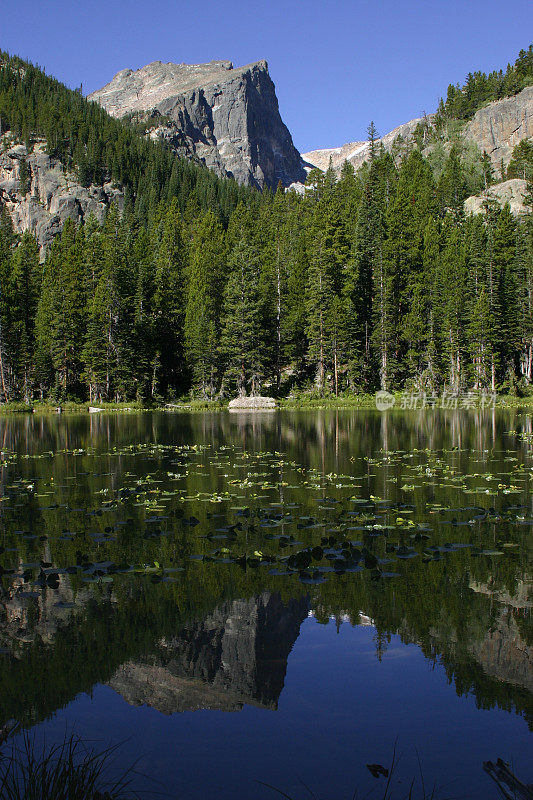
(496, 128)
(226, 117)
(359, 152)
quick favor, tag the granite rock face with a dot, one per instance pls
(500, 126)
(512, 192)
(53, 195)
(253, 403)
(236, 655)
(224, 116)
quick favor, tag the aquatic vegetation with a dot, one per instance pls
(60, 772)
(266, 506)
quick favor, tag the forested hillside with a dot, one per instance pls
(374, 279)
(479, 88)
(99, 148)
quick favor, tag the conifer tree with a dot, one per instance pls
(319, 295)
(168, 362)
(205, 281)
(242, 347)
(61, 326)
(24, 294)
(452, 307)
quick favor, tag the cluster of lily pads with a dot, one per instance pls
(251, 509)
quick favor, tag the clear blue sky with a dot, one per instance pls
(336, 65)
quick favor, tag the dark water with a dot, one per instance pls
(282, 598)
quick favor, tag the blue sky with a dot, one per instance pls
(336, 65)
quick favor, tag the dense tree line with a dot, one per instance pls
(479, 88)
(370, 280)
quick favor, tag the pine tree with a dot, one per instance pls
(452, 307)
(24, 293)
(8, 241)
(319, 295)
(503, 279)
(367, 285)
(168, 361)
(523, 268)
(205, 281)
(242, 348)
(480, 341)
(109, 350)
(61, 330)
(407, 216)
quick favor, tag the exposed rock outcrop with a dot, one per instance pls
(500, 126)
(237, 655)
(512, 192)
(51, 195)
(254, 403)
(226, 117)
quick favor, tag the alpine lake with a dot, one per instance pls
(286, 598)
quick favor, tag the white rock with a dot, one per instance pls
(256, 403)
(512, 192)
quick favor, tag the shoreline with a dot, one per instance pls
(363, 402)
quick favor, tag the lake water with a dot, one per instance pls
(273, 598)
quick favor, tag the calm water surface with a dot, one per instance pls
(279, 597)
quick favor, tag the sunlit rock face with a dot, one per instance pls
(236, 655)
(500, 126)
(513, 192)
(52, 194)
(224, 116)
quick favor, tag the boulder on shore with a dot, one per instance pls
(254, 403)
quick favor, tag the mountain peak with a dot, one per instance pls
(225, 116)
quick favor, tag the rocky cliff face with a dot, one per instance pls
(237, 655)
(51, 194)
(500, 126)
(226, 117)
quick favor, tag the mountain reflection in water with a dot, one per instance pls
(174, 560)
(236, 655)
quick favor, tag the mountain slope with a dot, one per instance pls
(76, 159)
(496, 129)
(359, 152)
(226, 117)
